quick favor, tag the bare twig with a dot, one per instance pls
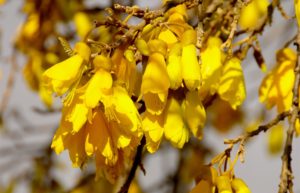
(282, 12)
(222, 157)
(286, 176)
(261, 128)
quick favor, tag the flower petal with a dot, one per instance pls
(175, 129)
(194, 113)
(155, 84)
(232, 85)
(61, 76)
(190, 67)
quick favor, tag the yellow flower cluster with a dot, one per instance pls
(173, 64)
(100, 118)
(211, 182)
(276, 88)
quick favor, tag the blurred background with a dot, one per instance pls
(27, 128)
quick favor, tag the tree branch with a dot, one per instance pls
(242, 138)
(261, 128)
(286, 176)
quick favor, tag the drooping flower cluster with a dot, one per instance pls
(276, 88)
(99, 118)
(103, 89)
(174, 61)
(37, 37)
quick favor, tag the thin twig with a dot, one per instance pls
(286, 176)
(282, 12)
(243, 138)
(261, 128)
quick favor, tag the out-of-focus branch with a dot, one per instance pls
(9, 85)
(286, 176)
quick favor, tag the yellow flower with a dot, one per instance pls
(111, 132)
(175, 129)
(155, 84)
(194, 113)
(70, 134)
(211, 67)
(177, 17)
(120, 108)
(239, 186)
(223, 184)
(125, 70)
(232, 86)
(102, 61)
(190, 67)
(276, 87)
(99, 138)
(75, 144)
(99, 84)
(167, 36)
(158, 46)
(142, 46)
(174, 122)
(75, 111)
(111, 172)
(174, 66)
(60, 77)
(153, 126)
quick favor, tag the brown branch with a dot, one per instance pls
(286, 176)
(136, 163)
(237, 12)
(281, 10)
(243, 138)
(261, 128)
